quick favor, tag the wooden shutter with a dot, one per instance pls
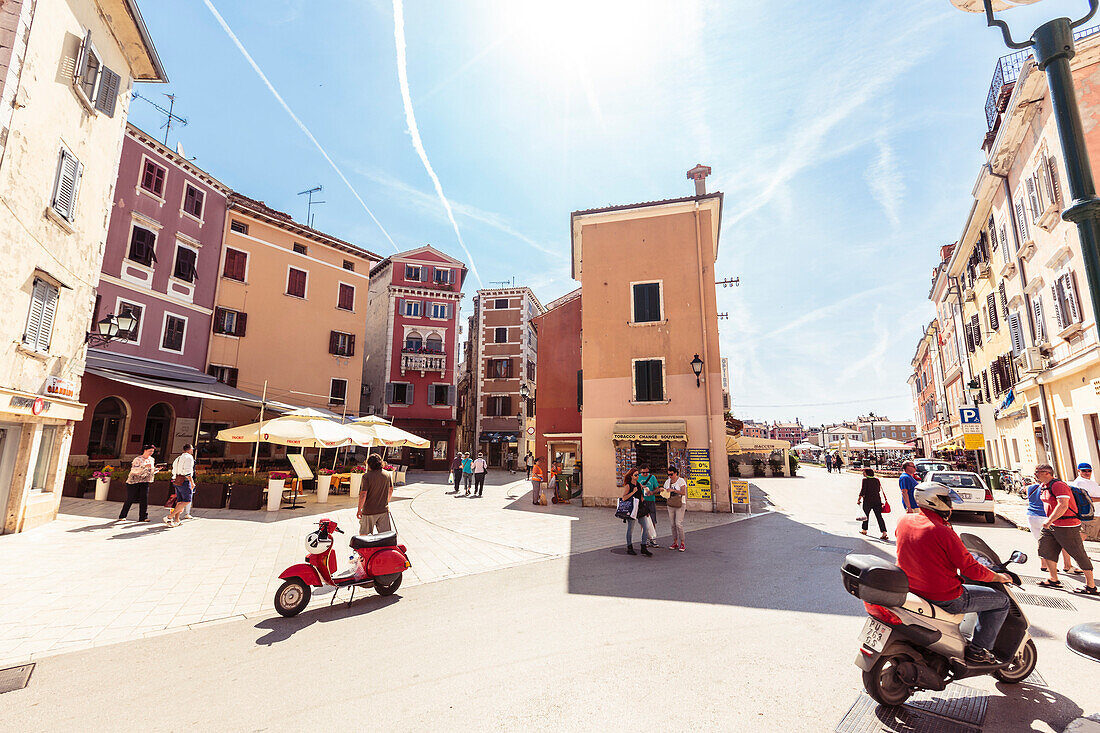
(219, 320)
(1059, 306)
(976, 330)
(409, 394)
(656, 385)
(1016, 332)
(242, 323)
(451, 394)
(969, 337)
(641, 380)
(82, 57)
(1073, 304)
(108, 92)
(1021, 220)
(992, 234)
(65, 188)
(1004, 299)
(389, 393)
(231, 376)
(994, 370)
(1004, 243)
(425, 274)
(1052, 178)
(1033, 198)
(991, 303)
(333, 339)
(351, 345)
(49, 312)
(985, 384)
(1040, 326)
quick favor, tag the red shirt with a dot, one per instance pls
(1050, 494)
(932, 556)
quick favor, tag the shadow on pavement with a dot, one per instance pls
(281, 629)
(1025, 703)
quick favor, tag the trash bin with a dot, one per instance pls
(992, 478)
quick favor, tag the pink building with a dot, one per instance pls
(160, 265)
(412, 339)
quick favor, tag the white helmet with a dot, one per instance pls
(315, 545)
(936, 496)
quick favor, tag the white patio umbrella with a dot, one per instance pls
(372, 435)
(891, 444)
(296, 430)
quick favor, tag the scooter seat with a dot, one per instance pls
(936, 612)
(363, 541)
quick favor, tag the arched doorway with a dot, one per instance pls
(158, 428)
(108, 423)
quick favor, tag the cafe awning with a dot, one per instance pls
(744, 444)
(673, 430)
(202, 390)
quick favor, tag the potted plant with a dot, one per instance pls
(103, 482)
(211, 490)
(324, 479)
(246, 491)
(735, 468)
(275, 483)
(76, 480)
(161, 488)
(355, 483)
(792, 459)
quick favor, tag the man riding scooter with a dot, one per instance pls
(933, 556)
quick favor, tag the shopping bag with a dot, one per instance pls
(862, 517)
(450, 478)
(886, 507)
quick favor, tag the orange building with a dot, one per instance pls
(291, 312)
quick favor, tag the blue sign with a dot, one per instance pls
(969, 416)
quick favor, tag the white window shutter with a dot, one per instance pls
(1052, 177)
(389, 393)
(1004, 241)
(82, 57)
(66, 185)
(992, 234)
(108, 92)
(1033, 199)
(1016, 332)
(409, 389)
(34, 314)
(1059, 304)
(1040, 326)
(49, 312)
(1069, 291)
(1021, 220)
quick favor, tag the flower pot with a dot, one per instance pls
(159, 491)
(323, 483)
(274, 493)
(210, 495)
(102, 486)
(355, 485)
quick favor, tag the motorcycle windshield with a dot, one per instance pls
(976, 545)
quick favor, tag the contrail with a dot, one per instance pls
(414, 131)
(301, 125)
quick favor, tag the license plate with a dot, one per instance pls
(964, 495)
(874, 635)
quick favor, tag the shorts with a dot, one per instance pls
(1056, 539)
(184, 494)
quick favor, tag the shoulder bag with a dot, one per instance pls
(625, 509)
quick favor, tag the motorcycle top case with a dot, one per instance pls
(874, 580)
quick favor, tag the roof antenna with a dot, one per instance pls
(311, 203)
(169, 115)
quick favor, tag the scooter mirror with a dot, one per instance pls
(1018, 556)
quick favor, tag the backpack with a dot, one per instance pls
(1085, 509)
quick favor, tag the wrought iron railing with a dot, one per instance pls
(1008, 71)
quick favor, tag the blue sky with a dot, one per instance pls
(845, 135)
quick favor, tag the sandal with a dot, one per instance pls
(1075, 571)
(1049, 584)
(1088, 590)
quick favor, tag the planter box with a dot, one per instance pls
(275, 494)
(210, 495)
(159, 491)
(246, 496)
(117, 490)
(75, 486)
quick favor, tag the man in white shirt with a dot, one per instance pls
(480, 467)
(1085, 482)
(677, 490)
(182, 468)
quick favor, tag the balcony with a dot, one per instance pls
(423, 361)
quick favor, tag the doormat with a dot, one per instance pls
(15, 678)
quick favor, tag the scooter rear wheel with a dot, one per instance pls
(387, 590)
(1021, 667)
(292, 597)
(883, 683)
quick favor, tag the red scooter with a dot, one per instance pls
(378, 561)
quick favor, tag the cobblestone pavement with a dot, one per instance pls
(88, 580)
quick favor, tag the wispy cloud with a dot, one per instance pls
(414, 131)
(885, 181)
(301, 125)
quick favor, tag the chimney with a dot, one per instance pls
(699, 174)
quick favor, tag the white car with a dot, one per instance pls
(976, 496)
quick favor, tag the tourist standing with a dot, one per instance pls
(649, 485)
(1036, 518)
(183, 483)
(467, 472)
(142, 469)
(1061, 530)
(870, 497)
(829, 462)
(480, 467)
(536, 482)
(374, 499)
(529, 461)
(908, 482)
(632, 491)
(677, 490)
(456, 473)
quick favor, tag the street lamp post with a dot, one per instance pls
(1052, 44)
(872, 418)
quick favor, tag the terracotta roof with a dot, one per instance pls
(279, 218)
(622, 207)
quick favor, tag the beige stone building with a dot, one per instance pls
(66, 70)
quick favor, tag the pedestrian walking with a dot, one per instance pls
(1088, 485)
(142, 469)
(677, 490)
(1061, 530)
(456, 473)
(480, 467)
(633, 492)
(529, 461)
(838, 463)
(536, 482)
(183, 482)
(374, 499)
(467, 473)
(649, 485)
(1036, 518)
(829, 462)
(907, 482)
(870, 497)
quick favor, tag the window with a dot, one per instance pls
(412, 308)
(500, 336)
(152, 178)
(991, 312)
(434, 345)
(40, 317)
(1067, 308)
(345, 298)
(1040, 325)
(41, 478)
(136, 311)
(399, 393)
(500, 368)
(1016, 332)
(531, 370)
(238, 226)
(349, 265)
(185, 264)
(192, 201)
(174, 327)
(236, 264)
(230, 322)
(143, 246)
(647, 302)
(440, 394)
(301, 249)
(296, 282)
(66, 185)
(413, 342)
(443, 277)
(341, 344)
(412, 272)
(649, 380)
(337, 391)
(499, 406)
(440, 310)
(224, 374)
(500, 303)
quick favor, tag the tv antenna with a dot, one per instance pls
(169, 115)
(504, 283)
(729, 282)
(311, 203)
(723, 315)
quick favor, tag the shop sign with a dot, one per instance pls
(183, 434)
(698, 478)
(58, 387)
(651, 437)
(36, 405)
(739, 490)
(973, 441)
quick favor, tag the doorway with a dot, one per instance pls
(105, 435)
(9, 446)
(495, 454)
(158, 426)
(654, 455)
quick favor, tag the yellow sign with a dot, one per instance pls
(739, 490)
(974, 441)
(698, 478)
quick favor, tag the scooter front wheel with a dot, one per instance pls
(292, 597)
(1021, 667)
(883, 683)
